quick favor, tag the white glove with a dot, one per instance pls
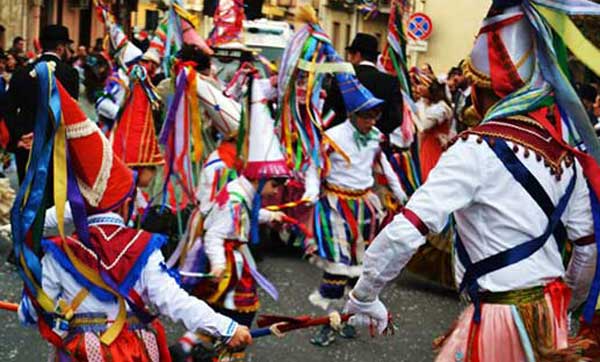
(276, 216)
(367, 314)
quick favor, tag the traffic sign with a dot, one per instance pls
(419, 26)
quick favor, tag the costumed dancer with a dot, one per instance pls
(222, 251)
(223, 114)
(517, 192)
(133, 138)
(90, 294)
(116, 91)
(348, 213)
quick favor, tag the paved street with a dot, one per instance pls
(421, 311)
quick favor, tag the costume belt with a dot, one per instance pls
(516, 297)
(98, 323)
(346, 192)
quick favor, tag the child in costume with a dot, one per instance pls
(231, 223)
(97, 285)
(517, 192)
(347, 211)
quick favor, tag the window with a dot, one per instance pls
(335, 37)
(348, 34)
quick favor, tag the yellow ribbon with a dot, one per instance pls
(42, 298)
(90, 274)
(313, 67)
(326, 138)
(60, 175)
(581, 47)
(195, 118)
(186, 15)
(288, 205)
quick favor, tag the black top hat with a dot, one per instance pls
(57, 33)
(365, 44)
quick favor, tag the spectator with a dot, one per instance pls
(4, 75)
(11, 63)
(18, 47)
(80, 57)
(588, 95)
(461, 97)
(435, 121)
(362, 53)
(22, 93)
(2, 38)
(98, 45)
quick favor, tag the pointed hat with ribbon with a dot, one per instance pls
(223, 111)
(103, 179)
(503, 57)
(134, 137)
(125, 51)
(156, 50)
(265, 158)
(229, 18)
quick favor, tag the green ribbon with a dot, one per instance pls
(362, 139)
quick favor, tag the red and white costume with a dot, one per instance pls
(520, 299)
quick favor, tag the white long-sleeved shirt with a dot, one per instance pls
(206, 183)
(358, 174)
(219, 224)
(493, 213)
(432, 115)
(155, 287)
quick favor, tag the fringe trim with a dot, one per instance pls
(94, 194)
(82, 129)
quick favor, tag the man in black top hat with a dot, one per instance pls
(23, 90)
(362, 53)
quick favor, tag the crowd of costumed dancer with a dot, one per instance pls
(160, 192)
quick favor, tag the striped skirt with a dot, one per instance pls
(345, 222)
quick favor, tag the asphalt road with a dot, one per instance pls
(421, 311)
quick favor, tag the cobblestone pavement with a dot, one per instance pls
(421, 312)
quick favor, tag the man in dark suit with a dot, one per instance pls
(23, 92)
(362, 53)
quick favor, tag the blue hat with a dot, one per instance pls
(356, 97)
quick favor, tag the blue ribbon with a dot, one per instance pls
(592, 300)
(256, 204)
(474, 271)
(31, 193)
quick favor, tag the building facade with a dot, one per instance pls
(455, 24)
(26, 17)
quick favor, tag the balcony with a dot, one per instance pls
(344, 5)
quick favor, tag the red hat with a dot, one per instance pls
(134, 137)
(103, 179)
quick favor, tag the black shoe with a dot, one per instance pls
(347, 331)
(202, 353)
(324, 337)
(178, 354)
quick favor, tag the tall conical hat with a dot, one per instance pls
(126, 52)
(190, 36)
(228, 21)
(156, 50)
(356, 96)
(503, 56)
(224, 112)
(103, 179)
(134, 137)
(265, 158)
